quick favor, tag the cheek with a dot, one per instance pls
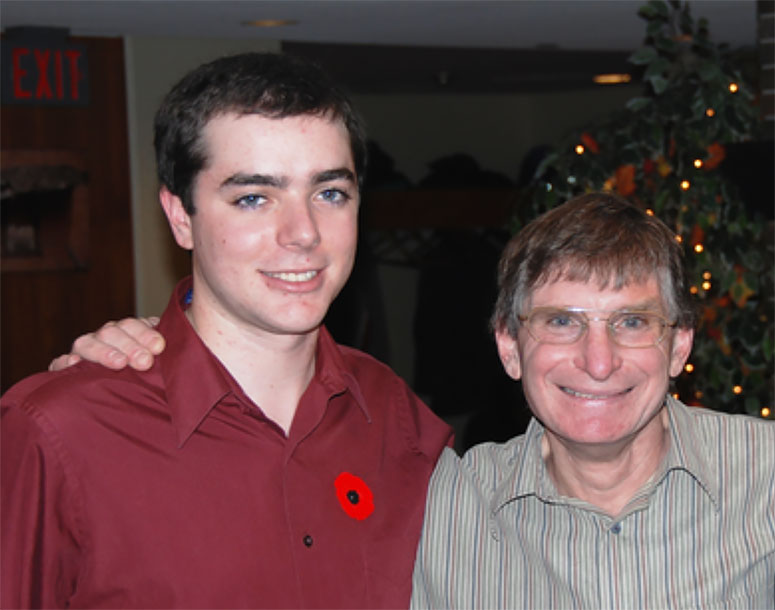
(655, 363)
(342, 234)
(541, 359)
(233, 238)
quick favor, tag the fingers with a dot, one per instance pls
(108, 346)
(131, 341)
(132, 338)
(62, 362)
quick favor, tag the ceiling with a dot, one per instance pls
(498, 24)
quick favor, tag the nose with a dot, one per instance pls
(598, 354)
(298, 227)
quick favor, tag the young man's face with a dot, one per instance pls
(275, 224)
(594, 391)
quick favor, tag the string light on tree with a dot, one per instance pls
(765, 412)
(737, 389)
(656, 153)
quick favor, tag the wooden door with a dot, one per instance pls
(67, 262)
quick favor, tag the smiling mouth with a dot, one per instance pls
(592, 396)
(290, 276)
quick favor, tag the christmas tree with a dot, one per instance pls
(664, 152)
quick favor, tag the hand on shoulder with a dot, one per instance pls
(129, 342)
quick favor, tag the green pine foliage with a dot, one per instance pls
(696, 101)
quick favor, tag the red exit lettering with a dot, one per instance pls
(35, 63)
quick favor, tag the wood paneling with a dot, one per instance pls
(44, 310)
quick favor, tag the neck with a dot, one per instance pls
(272, 369)
(606, 476)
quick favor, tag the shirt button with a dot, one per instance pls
(616, 528)
(307, 541)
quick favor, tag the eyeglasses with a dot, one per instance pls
(565, 326)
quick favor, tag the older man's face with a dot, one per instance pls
(594, 391)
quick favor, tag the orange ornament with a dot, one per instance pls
(590, 143)
(625, 180)
(716, 154)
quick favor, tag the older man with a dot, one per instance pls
(617, 495)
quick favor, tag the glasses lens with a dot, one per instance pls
(637, 329)
(555, 325)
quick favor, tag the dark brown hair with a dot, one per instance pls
(268, 84)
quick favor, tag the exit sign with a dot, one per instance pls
(41, 67)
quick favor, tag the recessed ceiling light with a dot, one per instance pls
(611, 79)
(269, 23)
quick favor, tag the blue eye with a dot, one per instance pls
(633, 321)
(250, 201)
(561, 321)
(335, 196)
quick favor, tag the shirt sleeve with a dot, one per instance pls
(40, 552)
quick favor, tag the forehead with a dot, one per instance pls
(283, 142)
(596, 293)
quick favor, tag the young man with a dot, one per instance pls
(257, 463)
(617, 495)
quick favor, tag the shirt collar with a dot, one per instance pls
(687, 451)
(193, 377)
(196, 381)
(332, 371)
(529, 475)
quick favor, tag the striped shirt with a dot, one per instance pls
(699, 534)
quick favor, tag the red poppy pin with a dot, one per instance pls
(354, 496)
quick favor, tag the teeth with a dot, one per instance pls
(294, 277)
(582, 394)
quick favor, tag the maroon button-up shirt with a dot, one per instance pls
(170, 488)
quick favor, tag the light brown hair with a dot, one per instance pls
(594, 237)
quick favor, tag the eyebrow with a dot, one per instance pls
(647, 305)
(240, 179)
(329, 175)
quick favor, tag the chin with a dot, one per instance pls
(594, 434)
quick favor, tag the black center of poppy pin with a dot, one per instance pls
(353, 496)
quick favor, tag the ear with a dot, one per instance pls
(179, 219)
(680, 350)
(509, 354)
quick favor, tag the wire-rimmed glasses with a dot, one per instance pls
(562, 326)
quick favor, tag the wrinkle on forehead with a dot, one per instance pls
(612, 280)
(608, 277)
